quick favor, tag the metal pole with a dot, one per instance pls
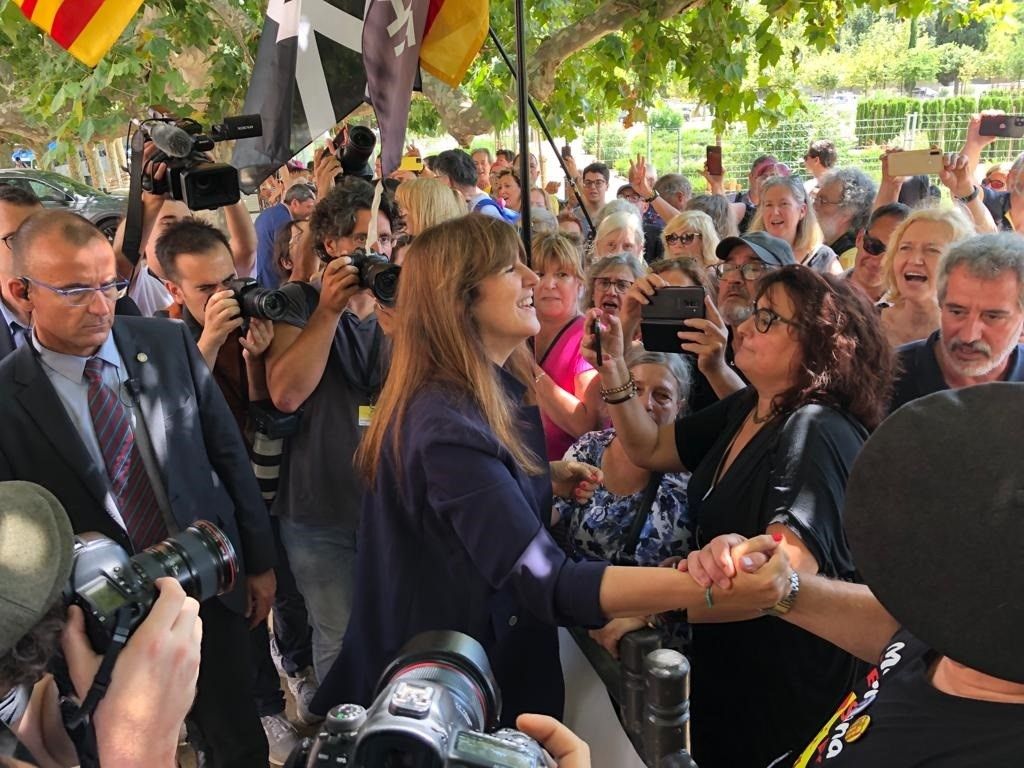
(524, 126)
(543, 127)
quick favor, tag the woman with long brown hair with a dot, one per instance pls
(453, 529)
(770, 458)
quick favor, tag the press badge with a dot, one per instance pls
(366, 414)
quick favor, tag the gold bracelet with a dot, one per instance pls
(631, 383)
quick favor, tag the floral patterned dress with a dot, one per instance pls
(598, 527)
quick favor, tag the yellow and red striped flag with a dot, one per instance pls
(84, 28)
(455, 31)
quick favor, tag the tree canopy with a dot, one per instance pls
(588, 60)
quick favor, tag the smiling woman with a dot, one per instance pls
(911, 265)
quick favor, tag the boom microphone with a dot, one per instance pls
(170, 139)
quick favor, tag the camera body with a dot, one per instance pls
(105, 579)
(377, 273)
(195, 179)
(434, 703)
(355, 145)
(256, 301)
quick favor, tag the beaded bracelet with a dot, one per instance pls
(628, 396)
(630, 384)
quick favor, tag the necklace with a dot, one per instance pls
(761, 419)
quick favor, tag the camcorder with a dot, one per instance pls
(437, 705)
(256, 301)
(378, 273)
(107, 583)
(192, 176)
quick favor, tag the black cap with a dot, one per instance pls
(771, 250)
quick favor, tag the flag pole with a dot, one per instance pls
(524, 126)
(543, 126)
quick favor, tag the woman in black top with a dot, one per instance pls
(773, 458)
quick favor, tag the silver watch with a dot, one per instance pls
(786, 603)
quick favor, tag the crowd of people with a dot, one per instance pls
(495, 451)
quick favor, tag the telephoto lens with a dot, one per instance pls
(666, 726)
(633, 649)
(105, 581)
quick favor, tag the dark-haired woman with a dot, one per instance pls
(773, 457)
(453, 528)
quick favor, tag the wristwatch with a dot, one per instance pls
(971, 197)
(652, 198)
(785, 605)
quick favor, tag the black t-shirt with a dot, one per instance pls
(895, 718)
(760, 686)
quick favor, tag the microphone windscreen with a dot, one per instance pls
(170, 139)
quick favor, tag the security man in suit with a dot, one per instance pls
(123, 423)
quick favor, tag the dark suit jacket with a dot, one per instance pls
(201, 456)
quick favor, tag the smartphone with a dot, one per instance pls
(1008, 126)
(663, 318)
(915, 162)
(714, 160)
(411, 163)
(595, 328)
(566, 152)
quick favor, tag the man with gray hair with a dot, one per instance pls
(843, 205)
(981, 298)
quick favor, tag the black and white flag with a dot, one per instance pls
(308, 76)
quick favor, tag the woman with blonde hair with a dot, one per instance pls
(911, 268)
(569, 406)
(426, 202)
(453, 532)
(785, 212)
(691, 234)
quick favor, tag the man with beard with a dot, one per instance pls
(842, 205)
(981, 296)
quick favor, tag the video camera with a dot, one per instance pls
(434, 703)
(116, 592)
(192, 177)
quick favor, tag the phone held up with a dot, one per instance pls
(1004, 126)
(915, 162)
(595, 328)
(663, 318)
(714, 160)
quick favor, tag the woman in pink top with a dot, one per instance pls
(569, 404)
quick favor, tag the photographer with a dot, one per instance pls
(159, 211)
(154, 680)
(325, 359)
(196, 260)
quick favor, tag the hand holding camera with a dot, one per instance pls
(223, 315)
(340, 282)
(611, 342)
(161, 658)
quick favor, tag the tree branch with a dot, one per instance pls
(464, 120)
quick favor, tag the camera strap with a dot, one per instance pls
(101, 682)
(132, 241)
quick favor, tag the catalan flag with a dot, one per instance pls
(84, 28)
(455, 31)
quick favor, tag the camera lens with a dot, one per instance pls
(199, 558)
(271, 305)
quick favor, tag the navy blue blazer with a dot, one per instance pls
(453, 536)
(194, 438)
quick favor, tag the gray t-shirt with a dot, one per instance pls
(319, 484)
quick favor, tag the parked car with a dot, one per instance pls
(928, 93)
(57, 191)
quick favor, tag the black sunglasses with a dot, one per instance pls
(685, 239)
(873, 246)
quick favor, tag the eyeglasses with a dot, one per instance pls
(9, 240)
(382, 240)
(81, 297)
(630, 198)
(592, 183)
(607, 284)
(819, 200)
(750, 271)
(873, 246)
(764, 318)
(686, 238)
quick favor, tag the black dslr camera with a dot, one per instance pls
(107, 583)
(377, 273)
(192, 176)
(355, 145)
(433, 704)
(255, 301)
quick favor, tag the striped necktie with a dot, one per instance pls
(128, 480)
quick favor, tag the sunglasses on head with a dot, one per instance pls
(873, 246)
